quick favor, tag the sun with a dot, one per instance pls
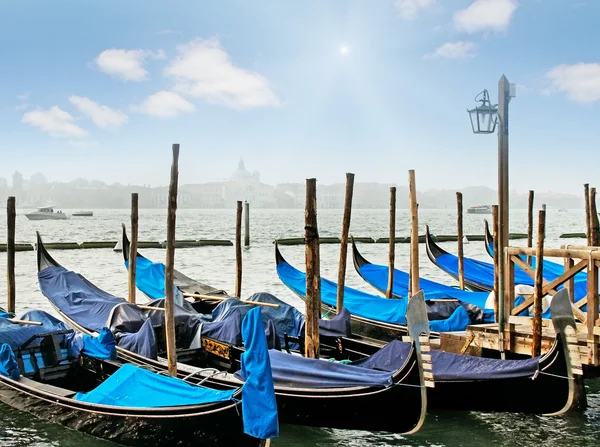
(344, 50)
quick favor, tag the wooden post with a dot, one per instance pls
(588, 223)
(414, 235)
(536, 343)
(133, 246)
(11, 215)
(503, 202)
(594, 219)
(592, 311)
(313, 271)
(496, 269)
(570, 284)
(238, 250)
(530, 224)
(170, 265)
(344, 240)
(392, 244)
(461, 256)
(246, 224)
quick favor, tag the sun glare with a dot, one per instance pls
(344, 50)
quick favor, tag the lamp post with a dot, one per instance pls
(484, 119)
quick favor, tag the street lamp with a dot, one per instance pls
(484, 117)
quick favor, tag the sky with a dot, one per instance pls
(299, 90)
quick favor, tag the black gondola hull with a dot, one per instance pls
(223, 426)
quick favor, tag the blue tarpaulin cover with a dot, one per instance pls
(482, 273)
(86, 304)
(449, 367)
(259, 406)
(301, 372)
(142, 342)
(149, 277)
(366, 305)
(8, 363)
(14, 334)
(102, 346)
(132, 386)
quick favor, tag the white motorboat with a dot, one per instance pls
(46, 213)
(480, 209)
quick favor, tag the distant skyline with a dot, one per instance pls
(299, 90)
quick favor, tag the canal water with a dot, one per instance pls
(216, 266)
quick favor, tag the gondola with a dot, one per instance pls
(377, 277)
(543, 385)
(479, 275)
(311, 392)
(475, 384)
(57, 375)
(552, 270)
(372, 316)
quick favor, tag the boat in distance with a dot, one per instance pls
(480, 209)
(46, 213)
(82, 214)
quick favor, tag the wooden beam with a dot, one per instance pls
(170, 265)
(414, 234)
(570, 283)
(392, 245)
(133, 245)
(530, 224)
(592, 310)
(536, 344)
(313, 272)
(238, 250)
(11, 215)
(223, 298)
(344, 240)
(556, 252)
(459, 229)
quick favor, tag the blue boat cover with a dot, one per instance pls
(291, 370)
(142, 342)
(482, 273)
(449, 367)
(8, 363)
(149, 277)
(132, 386)
(86, 304)
(102, 346)
(259, 406)
(14, 334)
(551, 269)
(366, 305)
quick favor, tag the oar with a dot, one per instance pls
(34, 323)
(219, 298)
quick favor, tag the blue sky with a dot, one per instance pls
(299, 89)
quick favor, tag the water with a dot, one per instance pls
(216, 266)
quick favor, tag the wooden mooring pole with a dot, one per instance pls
(588, 223)
(344, 240)
(11, 215)
(133, 247)
(496, 270)
(313, 271)
(595, 231)
(246, 224)
(538, 295)
(461, 256)
(530, 224)
(238, 250)
(170, 265)
(392, 243)
(414, 234)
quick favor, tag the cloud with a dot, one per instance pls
(85, 144)
(55, 122)
(203, 69)
(23, 96)
(126, 65)
(485, 15)
(21, 107)
(410, 9)
(454, 50)
(103, 116)
(581, 82)
(164, 105)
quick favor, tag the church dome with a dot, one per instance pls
(241, 173)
